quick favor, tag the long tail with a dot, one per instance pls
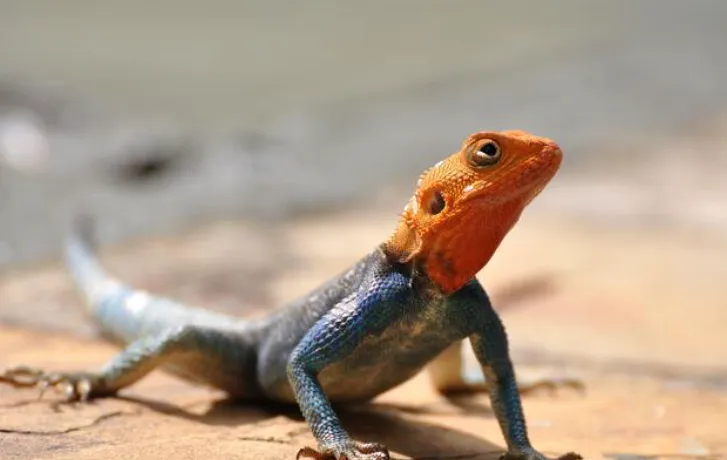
(85, 269)
(124, 313)
(107, 300)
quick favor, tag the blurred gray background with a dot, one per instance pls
(160, 115)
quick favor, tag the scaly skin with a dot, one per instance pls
(409, 302)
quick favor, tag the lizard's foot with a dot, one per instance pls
(366, 451)
(534, 455)
(77, 386)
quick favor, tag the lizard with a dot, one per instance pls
(409, 302)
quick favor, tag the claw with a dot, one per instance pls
(570, 456)
(21, 376)
(42, 388)
(533, 455)
(83, 389)
(308, 452)
(366, 451)
(76, 386)
(69, 391)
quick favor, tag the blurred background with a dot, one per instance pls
(250, 139)
(157, 116)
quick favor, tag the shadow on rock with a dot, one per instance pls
(415, 438)
(395, 426)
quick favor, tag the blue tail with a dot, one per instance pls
(106, 298)
(82, 263)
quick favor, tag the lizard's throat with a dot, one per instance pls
(454, 252)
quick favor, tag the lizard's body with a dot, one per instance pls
(369, 329)
(248, 359)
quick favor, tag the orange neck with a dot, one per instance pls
(449, 256)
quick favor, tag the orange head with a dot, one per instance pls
(464, 206)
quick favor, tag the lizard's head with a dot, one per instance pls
(464, 206)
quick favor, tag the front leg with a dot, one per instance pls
(490, 345)
(334, 441)
(331, 339)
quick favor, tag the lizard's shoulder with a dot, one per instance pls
(371, 273)
(366, 274)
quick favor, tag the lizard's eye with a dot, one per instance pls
(487, 155)
(435, 203)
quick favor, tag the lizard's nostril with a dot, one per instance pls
(552, 149)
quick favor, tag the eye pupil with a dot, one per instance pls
(436, 203)
(486, 155)
(490, 149)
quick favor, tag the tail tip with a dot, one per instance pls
(83, 228)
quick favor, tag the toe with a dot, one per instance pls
(366, 451)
